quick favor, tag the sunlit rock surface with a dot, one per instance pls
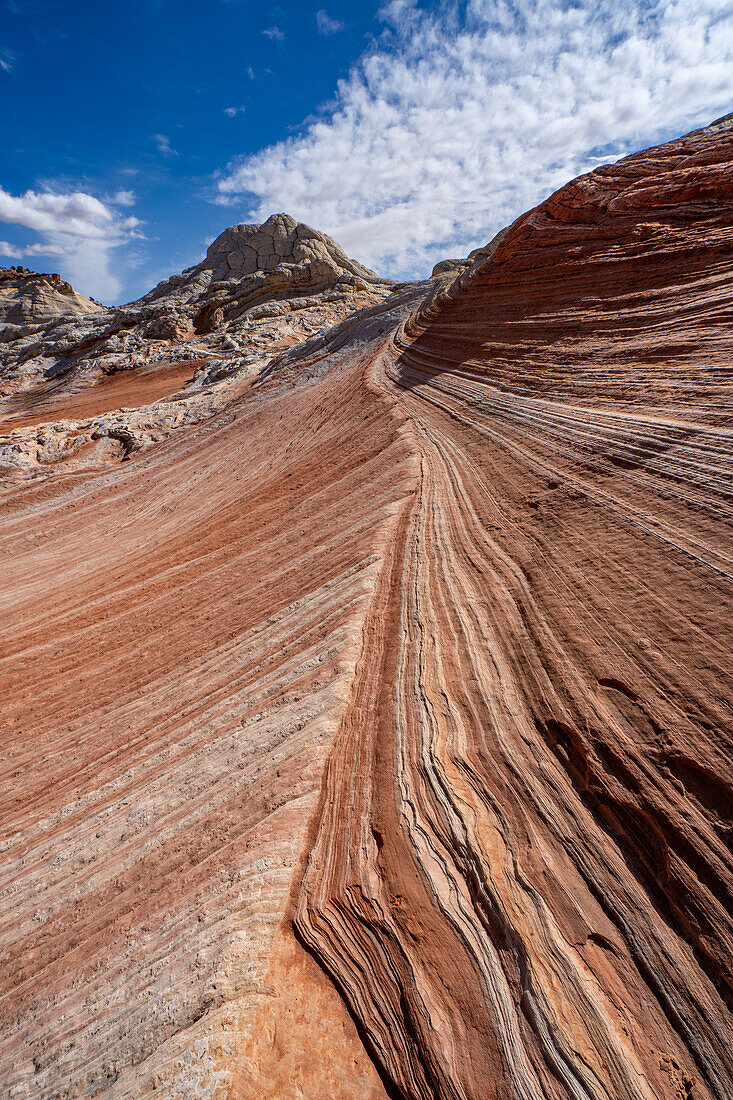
(372, 736)
(82, 384)
(28, 297)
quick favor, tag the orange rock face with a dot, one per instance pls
(374, 737)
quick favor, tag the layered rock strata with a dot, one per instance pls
(31, 297)
(170, 703)
(533, 894)
(133, 374)
(374, 738)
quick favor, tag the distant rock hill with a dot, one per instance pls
(260, 271)
(280, 271)
(31, 296)
(67, 361)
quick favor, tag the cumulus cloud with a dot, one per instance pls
(163, 145)
(461, 118)
(274, 33)
(78, 214)
(77, 227)
(232, 112)
(399, 13)
(326, 24)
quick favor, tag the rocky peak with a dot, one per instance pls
(243, 250)
(260, 288)
(256, 267)
(33, 296)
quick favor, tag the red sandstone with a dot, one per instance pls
(374, 737)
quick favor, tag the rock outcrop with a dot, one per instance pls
(27, 296)
(536, 756)
(260, 271)
(194, 339)
(374, 737)
(251, 273)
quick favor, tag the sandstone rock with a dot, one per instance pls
(538, 741)
(445, 266)
(372, 737)
(252, 275)
(29, 296)
(249, 262)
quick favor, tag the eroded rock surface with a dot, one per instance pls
(27, 296)
(183, 351)
(373, 738)
(536, 755)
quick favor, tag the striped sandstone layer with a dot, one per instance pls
(179, 635)
(522, 880)
(402, 687)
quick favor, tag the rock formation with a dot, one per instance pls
(372, 737)
(27, 296)
(177, 354)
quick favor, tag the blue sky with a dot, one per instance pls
(133, 133)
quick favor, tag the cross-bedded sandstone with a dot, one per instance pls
(401, 686)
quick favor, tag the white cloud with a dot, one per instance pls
(398, 13)
(10, 252)
(123, 198)
(275, 33)
(7, 60)
(463, 117)
(232, 112)
(326, 24)
(163, 145)
(77, 213)
(78, 228)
